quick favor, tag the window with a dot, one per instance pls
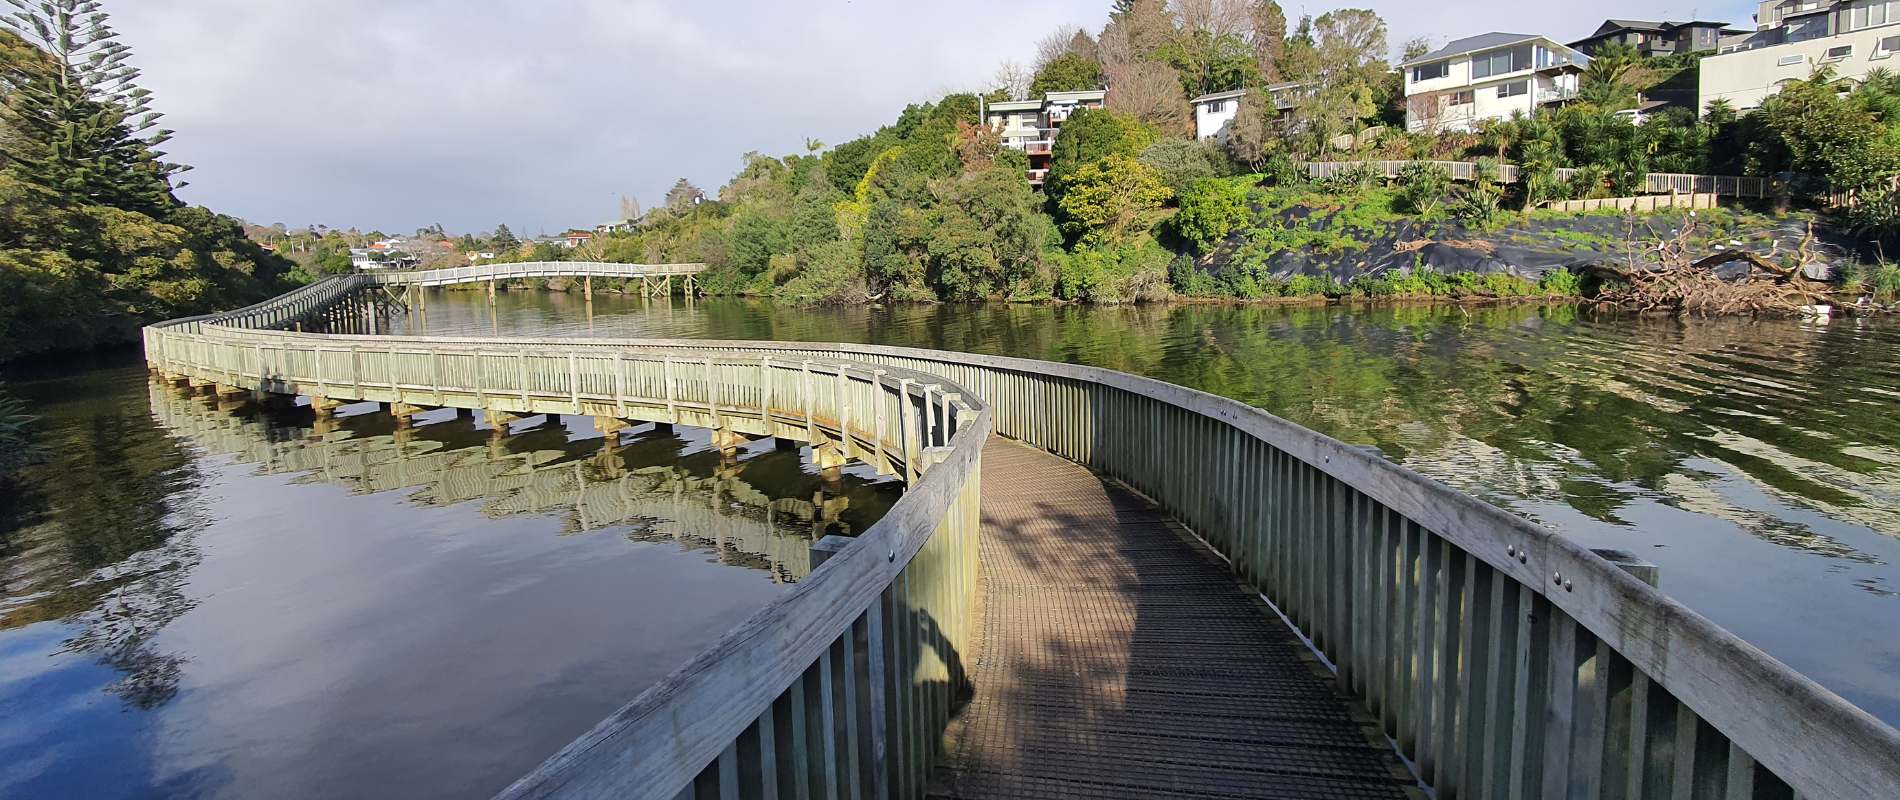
(1500, 62)
(1886, 47)
(1868, 13)
(1461, 98)
(1789, 61)
(1514, 89)
(1434, 70)
(1838, 53)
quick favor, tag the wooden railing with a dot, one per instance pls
(847, 680)
(1653, 183)
(496, 271)
(1504, 660)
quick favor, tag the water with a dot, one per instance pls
(1757, 463)
(206, 601)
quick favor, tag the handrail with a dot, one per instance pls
(1653, 182)
(1503, 659)
(496, 270)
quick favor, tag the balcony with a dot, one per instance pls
(1040, 147)
(1555, 94)
(1036, 176)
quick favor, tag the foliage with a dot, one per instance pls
(92, 242)
(987, 241)
(1209, 209)
(1103, 198)
(1808, 129)
(1877, 217)
(1422, 188)
(1121, 273)
(1180, 162)
(1088, 136)
(1069, 72)
(1480, 200)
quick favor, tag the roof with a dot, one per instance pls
(1472, 44)
(1014, 105)
(1228, 95)
(1611, 27)
(1078, 96)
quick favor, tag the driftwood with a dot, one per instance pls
(1664, 276)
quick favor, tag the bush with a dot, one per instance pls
(1561, 282)
(1209, 210)
(1120, 274)
(1422, 188)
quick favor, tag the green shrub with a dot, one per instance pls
(1422, 187)
(1561, 282)
(1125, 273)
(1210, 209)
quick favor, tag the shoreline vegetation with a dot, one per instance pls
(933, 207)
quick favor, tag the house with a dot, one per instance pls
(1031, 125)
(617, 226)
(1213, 112)
(1653, 39)
(1796, 37)
(1488, 76)
(576, 238)
(484, 255)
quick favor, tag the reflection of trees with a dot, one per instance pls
(762, 513)
(103, 537)
(1513, 403)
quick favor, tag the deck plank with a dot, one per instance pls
(1118, 658)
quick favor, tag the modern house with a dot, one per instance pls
(1653, 39)
(1031, 125)
(1213, 112)
(1488, 76)
(576, 238)
(1796, 37)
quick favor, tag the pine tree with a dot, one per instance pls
(505, 239)
(83, 126)
(683, 195)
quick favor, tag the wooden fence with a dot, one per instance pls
(1503, 659)
(1653, 183)
(1648, 202)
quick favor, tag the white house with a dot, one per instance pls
(1213, 112)
(1853, 38)
(1488, 76)
(1031, 125)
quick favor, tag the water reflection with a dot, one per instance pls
(207, 598)
(1757, 462)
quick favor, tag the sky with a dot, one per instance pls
(398, 114)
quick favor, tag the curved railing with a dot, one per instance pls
(1503, 659)
(493, 271)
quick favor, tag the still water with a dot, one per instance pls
(205, 600)
(1757, 463)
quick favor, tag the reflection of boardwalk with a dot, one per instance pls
(1117, 660)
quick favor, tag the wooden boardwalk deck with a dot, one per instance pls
(1120, 659)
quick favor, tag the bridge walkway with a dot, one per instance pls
(1119, 658)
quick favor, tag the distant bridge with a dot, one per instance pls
(1109, 647)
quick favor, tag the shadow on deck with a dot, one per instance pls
(1118, 658)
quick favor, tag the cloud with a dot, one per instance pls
(395, 114)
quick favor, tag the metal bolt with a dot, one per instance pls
(1523, 558)
(1568, 586)
(1510, 551)
(1557, 577)
(892, 557)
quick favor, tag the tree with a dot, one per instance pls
(504, 239)
(1613, 77)
(1064, 40)
(1806, 128)
(629, 208)
(1210, 208)
(1089, 135)
(1012, 80)
(1150, 92)
(1268, 37)
(1180, 162)
(683, 195)
(1256, 133)
(1103, 198)
(1422, 187)
(82, 126)
(1069, 72)
(988, 238)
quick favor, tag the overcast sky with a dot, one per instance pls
(395, 114)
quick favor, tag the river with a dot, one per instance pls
(205, 600)
(1756, 462)
(241, 602)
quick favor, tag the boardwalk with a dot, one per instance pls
(1118, 660)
